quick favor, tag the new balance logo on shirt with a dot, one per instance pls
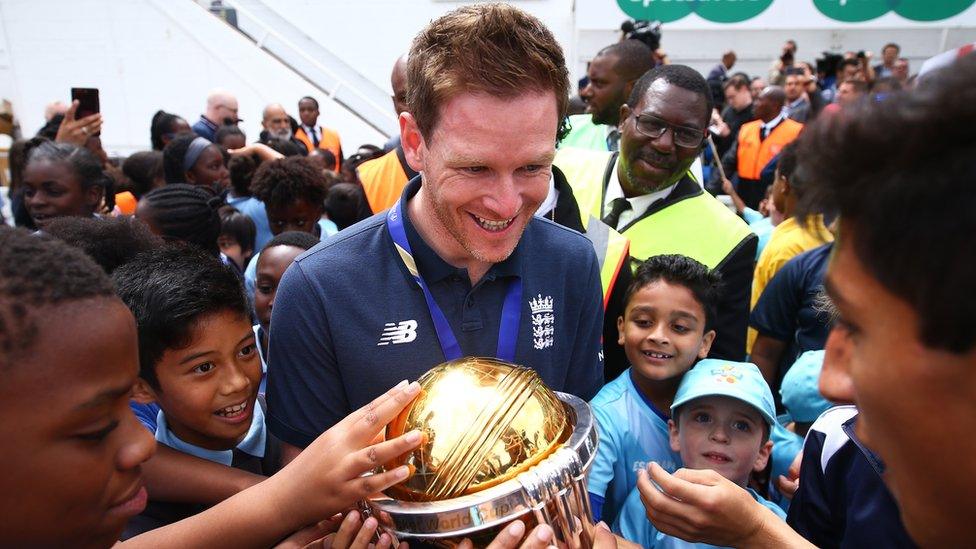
(398, 332)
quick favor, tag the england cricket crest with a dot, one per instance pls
(543, 321)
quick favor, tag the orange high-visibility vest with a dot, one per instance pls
(754, 153)
(383, 180)
(329, 142)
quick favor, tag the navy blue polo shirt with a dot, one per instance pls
(349, 321)
(786, 309)
(842, 500)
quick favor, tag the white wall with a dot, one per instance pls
(371, 34)
(143, 55)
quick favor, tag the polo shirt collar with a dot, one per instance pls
(208, 123)
(252, 444)
(431, 266)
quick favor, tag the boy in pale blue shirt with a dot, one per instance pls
(722, 416)
(669, 310)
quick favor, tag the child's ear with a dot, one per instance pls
(763, 458)
(673, 435)
(620, 330)
(706, 345)
(143, 393)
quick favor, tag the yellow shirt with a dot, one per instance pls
(789, 239)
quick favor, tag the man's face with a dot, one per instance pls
(767, 108)
(74, 461)
(606, 90)
(728, 60)
(794, 87)
(889, 55)
(847, 94)
(897, 381)
(301, 216)
(486, 167)
(723, 434)
(398, 81)
(900, 69)
(756, 87)
(663, 332)
(226, 110)
(847, 72)
(277, 123)
(208, 388)
(652, 164)
(308, 111)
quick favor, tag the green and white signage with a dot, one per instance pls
(676, 14)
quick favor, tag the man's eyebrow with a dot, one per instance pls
(105, 397)
(833, 293)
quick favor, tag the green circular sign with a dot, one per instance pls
(651, 10)
(928, 10)
(730, 11)
(854, 11)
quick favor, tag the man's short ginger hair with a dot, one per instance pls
(494, 49)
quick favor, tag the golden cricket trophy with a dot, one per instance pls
(499, 446)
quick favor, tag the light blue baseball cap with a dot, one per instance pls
(739, 380)
(801, 388)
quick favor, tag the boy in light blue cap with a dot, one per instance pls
(804, 404)
(801, 392)
(722, 415)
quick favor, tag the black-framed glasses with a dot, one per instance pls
(654, 127)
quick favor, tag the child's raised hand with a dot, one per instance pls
(327, 477)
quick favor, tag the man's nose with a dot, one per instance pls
(835, 379)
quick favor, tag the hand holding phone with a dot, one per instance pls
(76, 128)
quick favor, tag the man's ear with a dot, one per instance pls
(628, 88)
(624, 112)
(763, 458)
(673, 435)
(412, 141)
(706, 345)
(143, 393)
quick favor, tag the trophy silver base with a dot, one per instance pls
(552, 492)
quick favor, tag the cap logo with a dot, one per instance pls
(727, 374)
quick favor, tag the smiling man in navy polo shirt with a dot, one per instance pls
(459, 266)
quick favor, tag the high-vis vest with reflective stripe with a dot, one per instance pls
(698, 226)
(611, 251)
(754, 154)
(383, 180)
(329, 141)
(585, 134)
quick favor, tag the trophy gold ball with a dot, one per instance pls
(499, 445)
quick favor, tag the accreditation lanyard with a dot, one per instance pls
(511, 314)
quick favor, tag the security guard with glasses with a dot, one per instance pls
(647, 193)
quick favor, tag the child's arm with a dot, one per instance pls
(174, 476)
(729, 189)
(323, 480)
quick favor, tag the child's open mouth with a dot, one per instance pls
(659, 356)
(717, 458)
(236, 411)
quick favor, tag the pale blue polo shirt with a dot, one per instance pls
(632, 433)
(633, 525)
(350, 322)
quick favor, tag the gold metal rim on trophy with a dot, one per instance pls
(484, 421)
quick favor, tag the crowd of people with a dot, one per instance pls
(761, 283)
